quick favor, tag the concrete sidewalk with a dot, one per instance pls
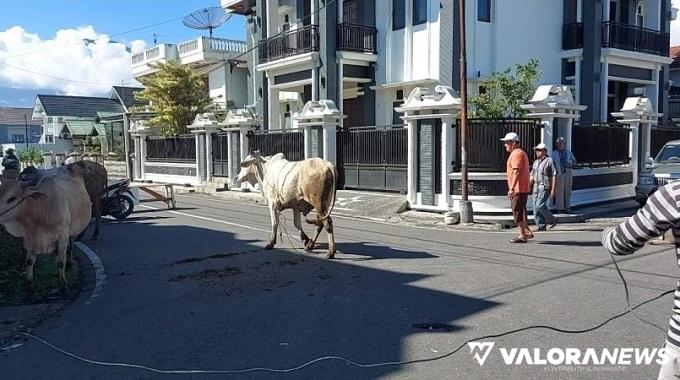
(393, 208)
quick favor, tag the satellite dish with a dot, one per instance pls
(207, 19)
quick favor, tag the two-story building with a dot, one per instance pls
(17, 127)
(219, 60)
(367, 55)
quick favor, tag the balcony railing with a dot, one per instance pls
(138, 58)
(289, 43)
(620, 36)
(633, 38)
(359, 38)
(572, 36)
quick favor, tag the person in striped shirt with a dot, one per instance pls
(660, 214)
(543, 184)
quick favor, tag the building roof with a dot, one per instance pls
(126, 95)
(675, 55)
(75, 106)
(84, 128)
(15, 116)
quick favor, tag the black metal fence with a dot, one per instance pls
(373, 158)
(486, 152)
(289, 43)
(600, 145)
(358, 38)
(171, 149)
(220, 154)
(633, 38)
(572, 36)
(660, 136)
(290, 142)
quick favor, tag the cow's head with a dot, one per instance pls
(12, 193)
(251, 168)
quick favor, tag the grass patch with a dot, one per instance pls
(12, 273)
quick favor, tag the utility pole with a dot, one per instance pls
(26, 125)
(465, 205)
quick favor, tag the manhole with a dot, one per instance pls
(435, 326)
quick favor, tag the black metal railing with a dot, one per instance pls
(171, 149)
(486, 152)
(673, 108)
(572, 36)
(359, 38)
(660, 136)
(634, 38)
(290, 142)
(600, 145)
(289, 43)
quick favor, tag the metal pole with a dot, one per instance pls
(465, 204)
(26, 125)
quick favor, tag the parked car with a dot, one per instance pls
(662, 170)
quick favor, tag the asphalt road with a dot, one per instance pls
(194, 289)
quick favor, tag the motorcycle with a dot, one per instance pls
(119, 201)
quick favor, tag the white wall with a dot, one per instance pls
(516, 36)
(230, 85)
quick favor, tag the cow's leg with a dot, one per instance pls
(71, 261)
(328, 225)
(62, 247)
(30, 263)
(274, 213)
(297, 221)
(310, 245)
(97, 214)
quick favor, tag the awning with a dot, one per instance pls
(409, 83)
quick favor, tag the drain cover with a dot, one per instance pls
(435, 326)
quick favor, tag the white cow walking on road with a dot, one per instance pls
(302, 186)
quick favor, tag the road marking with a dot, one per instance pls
(99, 270)
(208, 219)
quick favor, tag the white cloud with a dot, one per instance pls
(31, 62)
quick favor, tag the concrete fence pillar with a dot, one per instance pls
(237, 124)
(320, 121)
(429, 113)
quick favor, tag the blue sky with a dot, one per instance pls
(38, 59)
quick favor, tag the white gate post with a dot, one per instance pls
(203, 126)
(639, 114)
(320, 120)
(237, 124)
(436, 107)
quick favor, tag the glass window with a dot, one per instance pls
(398, 14)
(17, 138)
(484, 10)
(419, 12)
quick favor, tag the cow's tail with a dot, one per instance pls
(330, 209)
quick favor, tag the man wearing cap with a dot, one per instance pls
(11, 165)
(543, 181)
(564, 162)
(518, 185)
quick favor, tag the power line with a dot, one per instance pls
(55, 77)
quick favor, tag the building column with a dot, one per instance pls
(411, 171)
(605, 90)
(273, 111)
(208, 155)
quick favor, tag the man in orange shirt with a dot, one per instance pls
(518, 185)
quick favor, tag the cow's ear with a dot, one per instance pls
(248, 162)
(36, 195)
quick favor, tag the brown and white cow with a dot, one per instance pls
(302, 186)
(45, 216)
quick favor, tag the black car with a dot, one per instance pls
(664, 169)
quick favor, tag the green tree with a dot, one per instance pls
(31, 156)
(176, 93)
(506, 91)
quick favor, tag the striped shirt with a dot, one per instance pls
(565, 159)
(542, 171)
(661, 213)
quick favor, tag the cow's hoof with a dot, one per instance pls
(309, 247)
(269, 246)
(331, 255)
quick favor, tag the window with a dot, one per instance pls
(398, 14)
(640, 15)
(419, 12)
(396, 116)
(350, 13)
(49, 139)
(17, 138)
(484, 10)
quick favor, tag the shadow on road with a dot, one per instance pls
(194, 297)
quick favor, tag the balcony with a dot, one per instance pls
(142, 61)
(620, 36)
(572, 36)
(206, 50)
(357, 38)
(289, 43)
(633, 38)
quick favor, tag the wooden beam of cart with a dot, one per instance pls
(168, 198)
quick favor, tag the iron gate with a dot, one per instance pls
(220, 152)
(290, 142)
(373, 158)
